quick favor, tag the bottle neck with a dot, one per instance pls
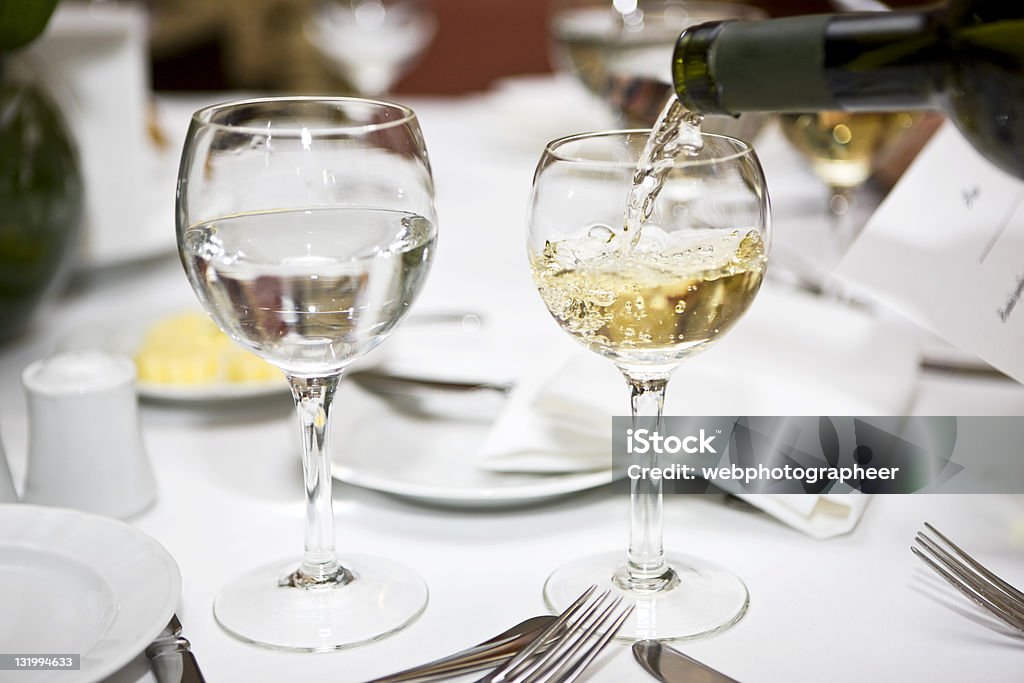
(873, 61)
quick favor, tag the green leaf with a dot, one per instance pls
(22, 20)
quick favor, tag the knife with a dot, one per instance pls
(671, 666)
(383, 382)
(171, 658)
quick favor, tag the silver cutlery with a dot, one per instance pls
(980, 585)
(671, 666)
(390, 383)
(383, 382)
(489, 653)
(171, 658)
(582, 631)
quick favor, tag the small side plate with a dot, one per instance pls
(76, 583)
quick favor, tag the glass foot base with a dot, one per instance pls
(261, 607)
(706, 598)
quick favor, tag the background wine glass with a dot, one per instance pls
(695, 270)
(370, 44)
(306, 228)
(621, 52)
(842, 148)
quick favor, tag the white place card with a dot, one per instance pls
(946, 249)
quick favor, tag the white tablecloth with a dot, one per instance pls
(855, 608)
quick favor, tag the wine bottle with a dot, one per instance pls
(965, 57)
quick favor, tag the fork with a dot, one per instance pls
(970, 577)
(569, 655)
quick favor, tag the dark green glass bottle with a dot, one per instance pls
(965, 57)
(41, 198)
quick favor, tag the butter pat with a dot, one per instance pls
(189, 349)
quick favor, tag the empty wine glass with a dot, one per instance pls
(621, 52)
(306, 228)
(695, 268)
(370, 44)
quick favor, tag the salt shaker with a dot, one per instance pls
(85, 443)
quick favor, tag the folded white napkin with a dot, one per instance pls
(821, 516)
(793, 354)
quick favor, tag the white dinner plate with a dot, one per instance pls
(432, 457)
(75, 583)
(214, 391)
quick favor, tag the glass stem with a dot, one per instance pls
(843, 229)
(645, 569)
(842, 215)
(313, 397)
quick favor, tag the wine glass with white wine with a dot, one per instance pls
(842, 149)
(306, 227)
(646, 296)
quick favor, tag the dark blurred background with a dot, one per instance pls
(259, 44)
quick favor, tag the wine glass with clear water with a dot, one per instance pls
(306, 227)
(370, 44)
(694, 270)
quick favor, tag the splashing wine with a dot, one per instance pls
(677, 129)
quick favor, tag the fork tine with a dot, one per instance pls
(551, 664)
(970, 594)
(500, 674)
(981, 569)
(565, 658)
(974, 581)
(583, 662)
